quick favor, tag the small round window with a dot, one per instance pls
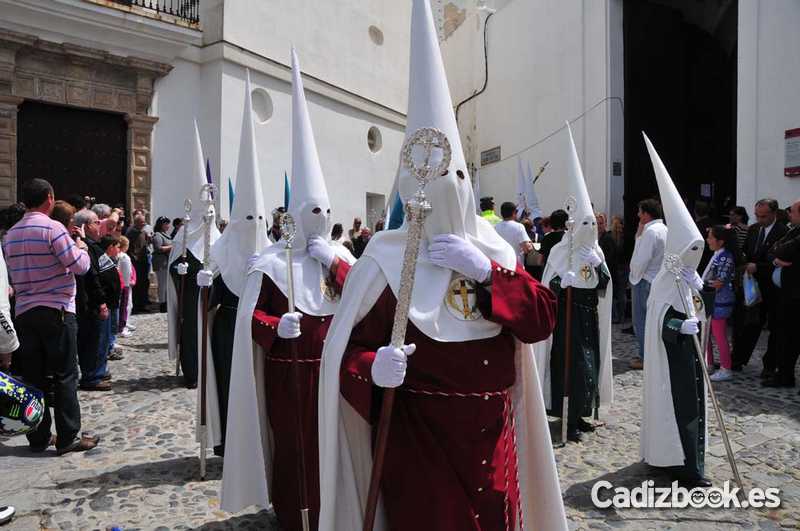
(374, 140)
(262, 105)
(376, 35)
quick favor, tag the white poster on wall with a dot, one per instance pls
(792, 148)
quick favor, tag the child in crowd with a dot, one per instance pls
(719, 276)
(126, 272)
(110, 280)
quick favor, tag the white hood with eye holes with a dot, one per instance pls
(683, 240)
(311, 210)
(246, 233)
(584, 231)
(450, 196)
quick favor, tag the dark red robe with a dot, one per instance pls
(451, 459)
(285, 490)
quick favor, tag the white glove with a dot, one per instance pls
(321, 251)
(289, 325)
(589, 255)
(569, 279)
(452, 252)
(691, 278)
(205, 278)
(389, 367)
(182, 268)
(690, 327)
(252, 260)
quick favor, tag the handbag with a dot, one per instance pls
(752, 292)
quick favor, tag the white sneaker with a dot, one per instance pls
(722, 375)
(6, 514)
(125, 333)
(131, 327)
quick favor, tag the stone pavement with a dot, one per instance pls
(144, 475)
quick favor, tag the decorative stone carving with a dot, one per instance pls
(64, 73)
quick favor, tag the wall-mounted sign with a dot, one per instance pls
(490, 155)
(792, 148)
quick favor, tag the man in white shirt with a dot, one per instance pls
(513, 231)
(648, 254)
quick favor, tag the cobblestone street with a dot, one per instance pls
(144, 474)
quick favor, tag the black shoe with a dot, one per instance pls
(162, 308)
(767, 374)
(584, 426)
(573, 434)
(191, 385)
(694, 483)
(777, 382)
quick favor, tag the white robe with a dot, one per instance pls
(345, 437)
(660, 443)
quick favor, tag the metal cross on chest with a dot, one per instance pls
(464, 291)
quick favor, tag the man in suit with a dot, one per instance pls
(786, 280)
(761, 236)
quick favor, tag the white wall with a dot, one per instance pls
(768, 98)
(332, 39)
(548, 62)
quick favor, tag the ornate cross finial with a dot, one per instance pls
(288, 229)
(673, 264)
(430, 140)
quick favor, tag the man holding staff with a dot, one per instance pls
(468, 445)
(262, 456)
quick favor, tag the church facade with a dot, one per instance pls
(99, 96)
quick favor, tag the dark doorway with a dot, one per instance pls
(680, 88)
(77, 151)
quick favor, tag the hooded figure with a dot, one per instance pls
(245, 235)
(261, 458)
(194, 235)
(578, 262)
(470, 391)
(673, 432)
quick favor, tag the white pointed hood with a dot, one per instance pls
(194, 183)
(583, 231)
(308, 184)
(247, 230)
(683, 237)
(194, 234)
(311, 210)
(451, 197)
(533, 199)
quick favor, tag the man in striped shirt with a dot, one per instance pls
(42, 263)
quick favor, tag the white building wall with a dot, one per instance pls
(332, 39)
(768, 104)
(548, 62)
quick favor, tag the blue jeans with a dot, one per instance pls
(89, 332)
(104, 347)
(113, 317)
(640, 293)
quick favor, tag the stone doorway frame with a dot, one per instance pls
(77, 76)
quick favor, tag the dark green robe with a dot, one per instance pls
(688, 395)
(585, 349)
(188, 340)
(222, 333)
